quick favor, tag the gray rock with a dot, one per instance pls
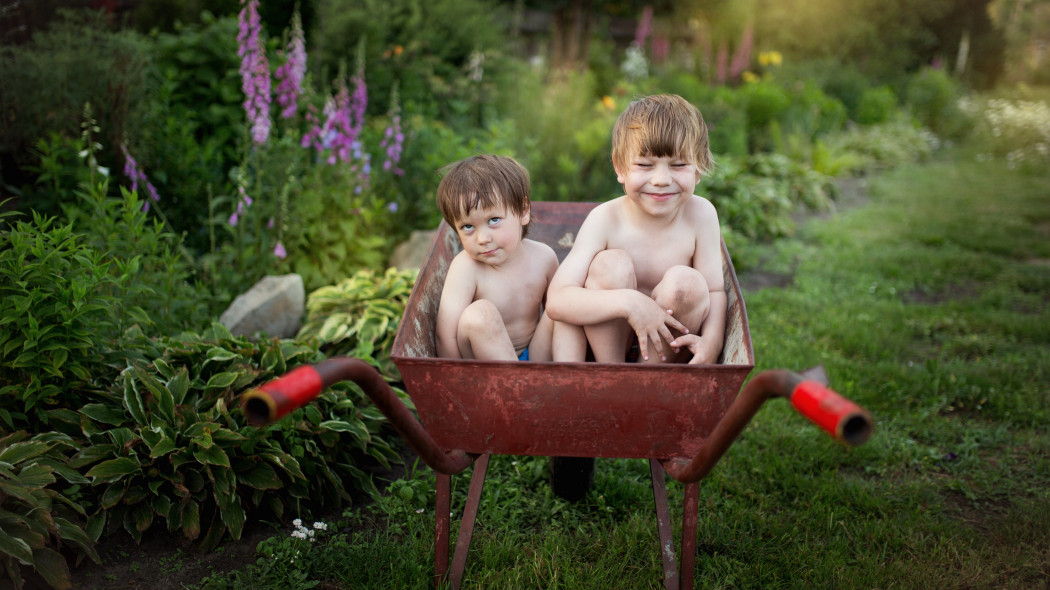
(413, 253)
(274, 306)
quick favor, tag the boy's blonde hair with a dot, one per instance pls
(481, 182)
(663, 125)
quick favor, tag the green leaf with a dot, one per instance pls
(355, 428)
(105, 414)
(114, 468)
(234, 517)
(113, 494)
(261, 477)
(163, 368)
(163, 446)
(19, 452)
(221, 354)
(96, 524)
(132, 399)
(222, 380)
(191, 520)
(37, 476)
(179, 385)
(76, 535)
(16, 548)
(52, 567)
(212, 456)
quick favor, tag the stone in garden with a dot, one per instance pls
(413, 253)
(274, 306)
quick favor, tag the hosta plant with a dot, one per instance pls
(359, 316)
(37, 521)
(169, 443)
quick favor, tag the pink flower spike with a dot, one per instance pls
(279, 251)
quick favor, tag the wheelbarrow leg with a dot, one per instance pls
(441, 527)
(470, 512)
(663, 525)
(689, 508)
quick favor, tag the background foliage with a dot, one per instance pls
(137, 205)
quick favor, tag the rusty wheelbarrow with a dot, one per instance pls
(680, 417)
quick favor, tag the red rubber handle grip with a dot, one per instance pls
(273, 400)
(843, 419)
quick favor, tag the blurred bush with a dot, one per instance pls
(933, 96)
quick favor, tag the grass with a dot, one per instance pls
(928, 306)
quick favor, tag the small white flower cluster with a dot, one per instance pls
(635, 66)
(307, 534)
(1017, 130)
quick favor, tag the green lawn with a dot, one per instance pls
(929, 306)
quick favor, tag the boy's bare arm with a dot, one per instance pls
(456, 295)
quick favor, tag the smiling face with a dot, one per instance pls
(658, 185)
(491, 235)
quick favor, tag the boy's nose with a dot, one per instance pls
(661, 175)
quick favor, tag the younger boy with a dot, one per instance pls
(492, 303)
(647, 264)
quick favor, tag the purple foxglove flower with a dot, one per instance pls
(293, 71)
(279, 251)
(255, 71)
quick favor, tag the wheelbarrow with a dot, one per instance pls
(680, 417)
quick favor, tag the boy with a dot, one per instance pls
(492, 303)
(647, 264)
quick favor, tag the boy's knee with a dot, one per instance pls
(480, 317)
(681, 284)
(611, 269)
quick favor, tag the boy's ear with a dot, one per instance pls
(526, 215)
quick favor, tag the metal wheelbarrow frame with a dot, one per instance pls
(680, 417)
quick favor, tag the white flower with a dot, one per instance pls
(297, 522)
(320, 526)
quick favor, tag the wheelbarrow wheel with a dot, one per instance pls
(572, 477)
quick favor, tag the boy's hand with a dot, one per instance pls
(695, 345)
(652, 324)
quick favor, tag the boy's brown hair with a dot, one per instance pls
(663, 125)
(480, 182)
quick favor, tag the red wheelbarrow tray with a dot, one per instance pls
(657, 411)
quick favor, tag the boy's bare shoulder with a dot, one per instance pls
(698, 207)
(539, 248)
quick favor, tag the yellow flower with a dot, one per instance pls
(608, 102)
(770, 58)
(749, 76)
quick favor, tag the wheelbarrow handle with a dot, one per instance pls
(274, 400)
(808, 392)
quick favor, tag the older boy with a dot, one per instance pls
(647, 264)
(492, 303)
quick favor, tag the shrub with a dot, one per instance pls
(168, 443)
(39, 522)
(359, 316)
(882, 146)
(755, 196)
(933, 98)
(877, 105)
(425, 47)
(1016, 130)
(56, 325)
(48, 81)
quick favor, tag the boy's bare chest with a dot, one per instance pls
(654, 253)
(513, 290)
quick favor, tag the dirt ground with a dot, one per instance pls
(163, 561)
